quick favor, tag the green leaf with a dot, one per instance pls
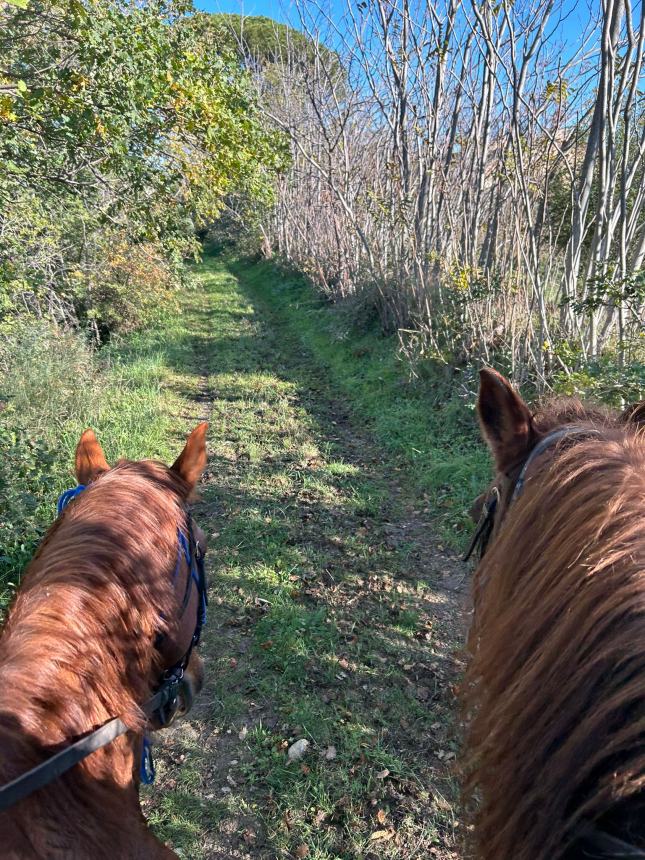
(22, 86)
(20, 4)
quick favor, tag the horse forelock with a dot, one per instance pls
(77, 647)
(555, 690)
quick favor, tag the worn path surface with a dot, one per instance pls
(334, 616)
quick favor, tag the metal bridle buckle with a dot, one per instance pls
(172, 681)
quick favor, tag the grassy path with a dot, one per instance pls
(333, 615)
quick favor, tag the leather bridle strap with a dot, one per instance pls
(67, 758)
(487, 522)
(485, 527)
(543, 445)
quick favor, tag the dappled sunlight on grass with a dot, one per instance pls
(315, 635)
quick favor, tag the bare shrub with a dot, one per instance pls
(480, 179)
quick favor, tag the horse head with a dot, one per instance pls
(554, 694)
(98, 647)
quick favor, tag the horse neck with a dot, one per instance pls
(555, 680)
(91, 811)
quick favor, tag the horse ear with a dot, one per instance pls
(192, 461)
(634, 414)
(90, 460)
(506, 422)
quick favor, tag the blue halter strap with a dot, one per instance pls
(65, 498)
(147, 770)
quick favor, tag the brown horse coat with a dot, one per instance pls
(78, 649)
(555, 690)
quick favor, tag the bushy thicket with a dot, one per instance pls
(45, 378)
(54, 384)
(123, 126)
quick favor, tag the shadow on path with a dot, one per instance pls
(333, 616)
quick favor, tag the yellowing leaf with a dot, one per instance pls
(382, 835)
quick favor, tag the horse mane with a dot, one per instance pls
(554, 693)
(78, 644)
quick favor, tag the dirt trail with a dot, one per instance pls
(335, 617)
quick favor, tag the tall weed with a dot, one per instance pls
(53, 386)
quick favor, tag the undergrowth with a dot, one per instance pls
(53, 386)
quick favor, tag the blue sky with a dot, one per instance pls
(576, 15)
(246, 7)
(282, 10)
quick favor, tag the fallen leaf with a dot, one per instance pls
(319, 817)
(383, 773)
(382, 835)
(381, 815)
(243, 733)
(302, 851)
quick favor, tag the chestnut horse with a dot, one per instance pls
(554, 753)
(97, 620)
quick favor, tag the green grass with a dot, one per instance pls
(328, 621)
(322, 626)
(427, 427)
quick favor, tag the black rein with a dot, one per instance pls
(41, 775)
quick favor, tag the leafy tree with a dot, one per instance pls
(262, 42)
(119, 126)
